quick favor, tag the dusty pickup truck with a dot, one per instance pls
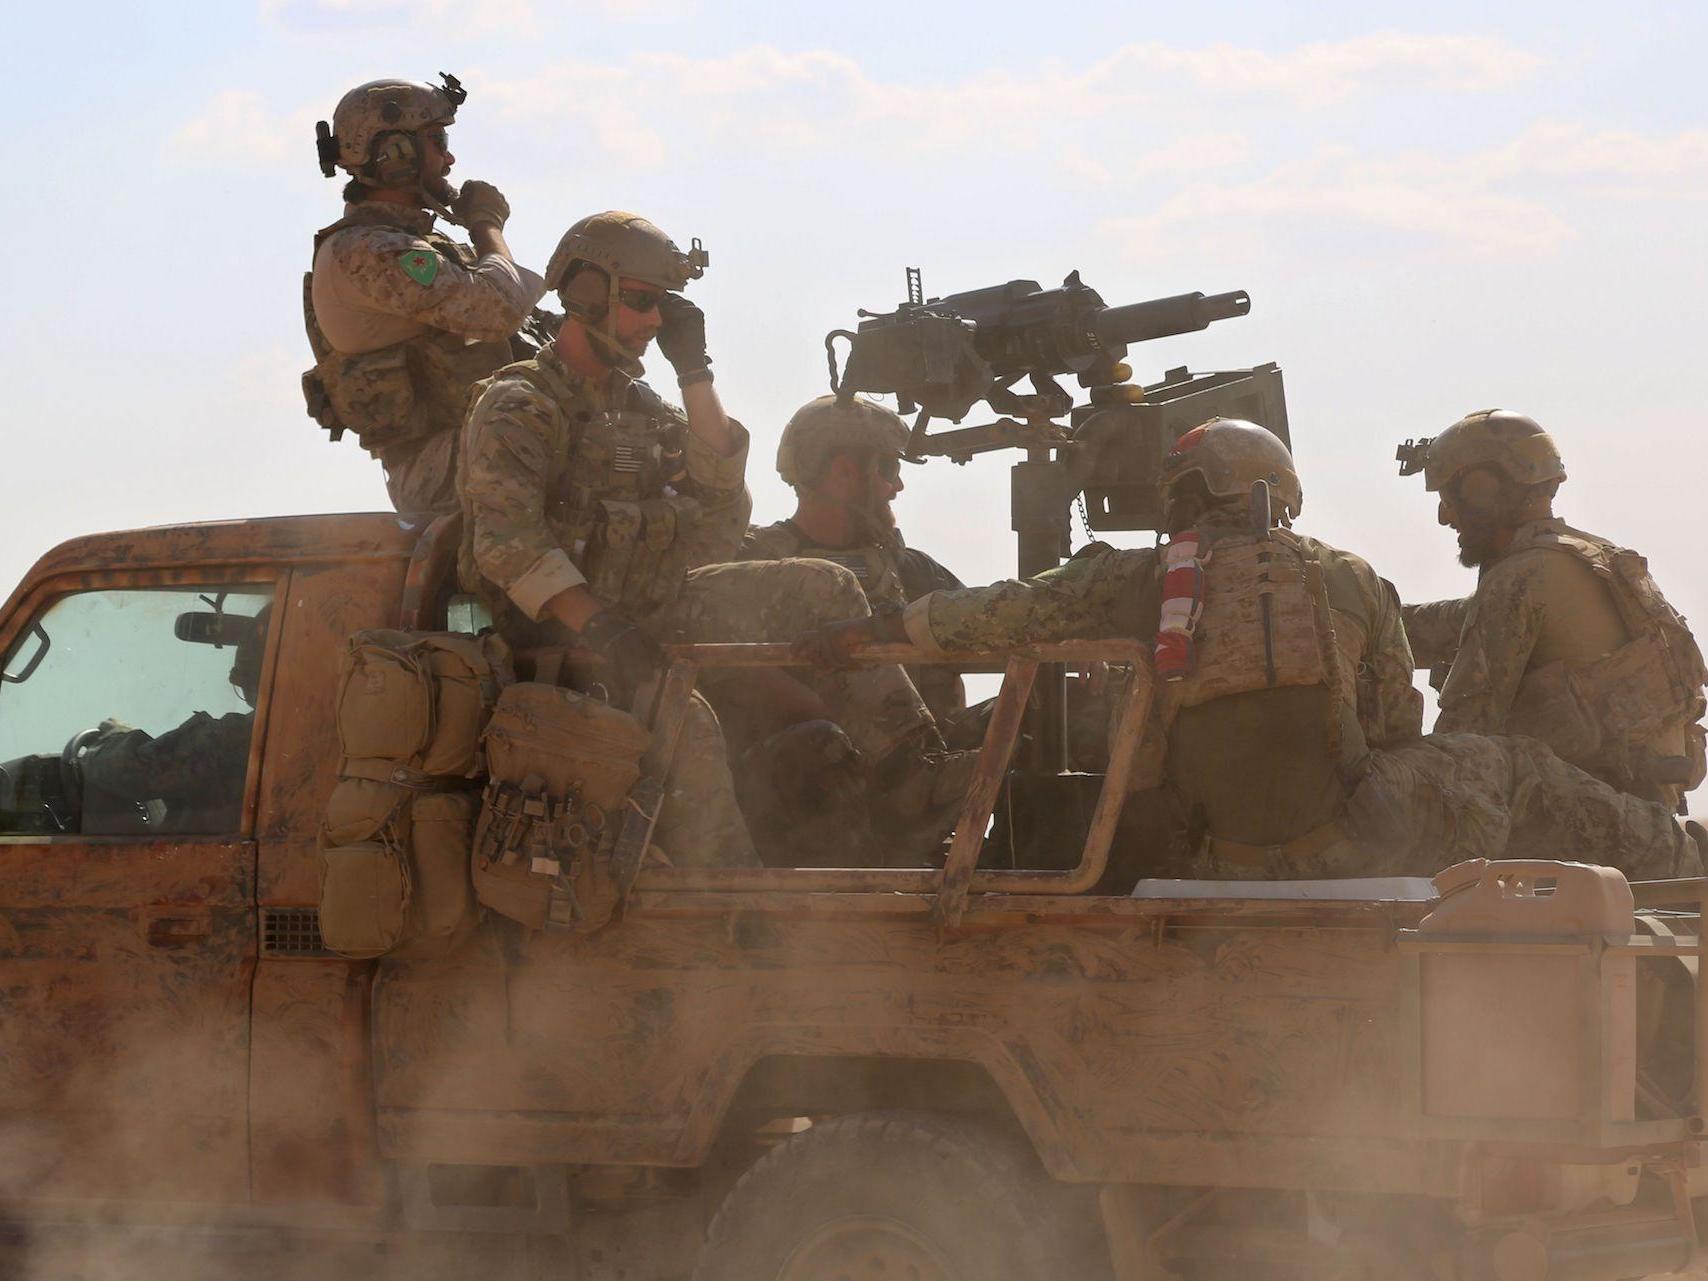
(790, 1073)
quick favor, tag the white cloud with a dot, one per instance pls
(1505, 199)
(826, 99)
(237, 127)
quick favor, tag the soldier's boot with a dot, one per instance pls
(919, 788)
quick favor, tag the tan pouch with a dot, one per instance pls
(359, 810)
(418, 701)
(385, 699)
(501, 869)
(364, 897)
(441, 906)
(571, 741)
(615, 540)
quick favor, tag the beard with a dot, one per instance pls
(1478, 541)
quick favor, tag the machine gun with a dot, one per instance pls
(940, 357)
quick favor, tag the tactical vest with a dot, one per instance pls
(1629, 716)
(401, 394)
(611, 493)
(1257, 726)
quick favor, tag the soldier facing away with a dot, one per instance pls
(1567, 638)
(596, 510)
(1285, 731)
(403, 319)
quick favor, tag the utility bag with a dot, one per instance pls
(394, 843)
(566, 813)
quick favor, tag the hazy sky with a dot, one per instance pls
(1435, 208)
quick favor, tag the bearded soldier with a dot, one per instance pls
(403, 319)
(1567, 638)
(594, 509)
(1285, 728)
(844, 463)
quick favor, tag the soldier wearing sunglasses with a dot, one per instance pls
(402, 318)
(596, 511)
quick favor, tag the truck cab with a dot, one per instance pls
(789, 1072)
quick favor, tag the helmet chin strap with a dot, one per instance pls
(601, 330)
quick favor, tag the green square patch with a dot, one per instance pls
(420, 265)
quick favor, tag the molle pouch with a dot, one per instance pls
(411, 705)
(385, 699)
(507, 867)
(360, 809)
(612, 549)
(364, 898)
(467, 672)
(653, 580)
(571, 742)
(373, 394)
(442, 905)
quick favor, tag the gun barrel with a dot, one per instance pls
(1164, 317)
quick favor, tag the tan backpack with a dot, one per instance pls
(565, 808)
(394, 845)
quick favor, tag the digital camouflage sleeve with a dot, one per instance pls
(1106, 592)
(517, 437)
(1531, 608)
(1433, 629)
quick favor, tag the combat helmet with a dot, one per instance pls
(625, 244)
(1229, 454)
(826, 426)
(380, 107)
(1513, 444)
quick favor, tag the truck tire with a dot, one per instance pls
(886, 1196)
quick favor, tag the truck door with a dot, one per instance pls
(130, 723)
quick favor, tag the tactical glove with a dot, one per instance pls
(634, 656)
(682, 335)
(481, 202)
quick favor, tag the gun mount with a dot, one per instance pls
(940, 357)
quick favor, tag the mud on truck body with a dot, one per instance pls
(791, 1073)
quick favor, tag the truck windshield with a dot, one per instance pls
(130, 710)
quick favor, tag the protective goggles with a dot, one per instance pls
(641, 300)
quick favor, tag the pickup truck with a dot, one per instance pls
(789, 1073)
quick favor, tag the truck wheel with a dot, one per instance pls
(898, 1197)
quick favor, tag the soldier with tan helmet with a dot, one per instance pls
(402, 318)
(1285, 737)
(844, 463)
(1567, 638)
(596, 510)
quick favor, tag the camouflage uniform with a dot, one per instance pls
(1276, 806)
(1568, 640)
(197, 769)
(564, 483)
(403, 320)
(889, 575)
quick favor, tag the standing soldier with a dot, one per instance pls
(1567, 638)
(1288, 735)
(403, 320)
(844, 463)
(594, 509)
